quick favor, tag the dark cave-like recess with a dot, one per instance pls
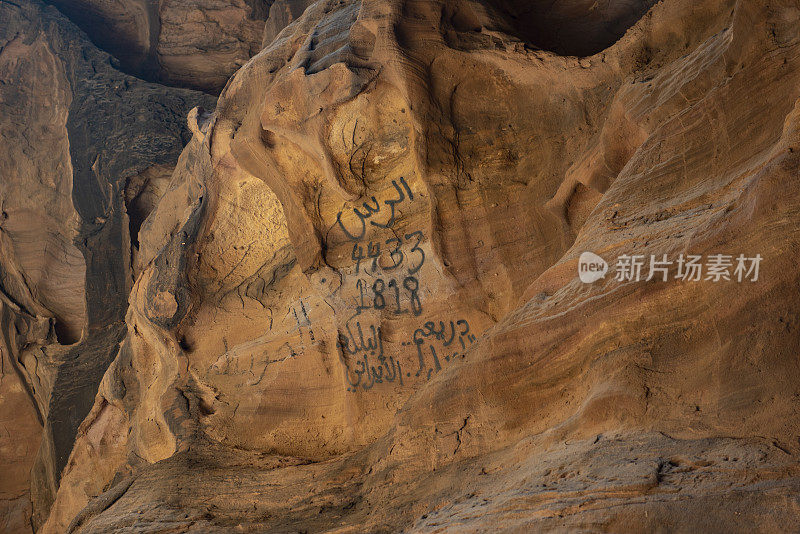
(567, 27)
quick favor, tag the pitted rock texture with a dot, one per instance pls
(357, 308)
(76, 134)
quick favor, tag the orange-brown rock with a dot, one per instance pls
(357, 305)
(187, 43)
(78, 137)
(281, 14)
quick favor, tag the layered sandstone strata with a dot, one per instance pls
(82, 143)
(186, 43)
(357, 308)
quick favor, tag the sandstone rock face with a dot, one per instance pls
(76, 134)
(187, 43)
(207, 41)
(357, 304)
(281, 14)
(571, 27)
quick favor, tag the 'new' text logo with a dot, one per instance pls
(591, 267)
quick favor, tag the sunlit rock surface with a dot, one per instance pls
(357, 307)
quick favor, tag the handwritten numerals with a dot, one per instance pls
(395, 254)
(363, 296)
(373, 253)
(358, 256)
(419, 237)
(398, 309)
(412, 285)
(378, 295)
(392, 254)
(379, 302)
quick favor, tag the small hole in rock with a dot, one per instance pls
(66, 334)
(185, 344)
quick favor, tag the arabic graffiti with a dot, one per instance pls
(373, 207)
(430, 336)
(372, 366)
(366, 374)
(388, 277)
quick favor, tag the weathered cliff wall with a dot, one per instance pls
(357, 306)
(78, 136)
